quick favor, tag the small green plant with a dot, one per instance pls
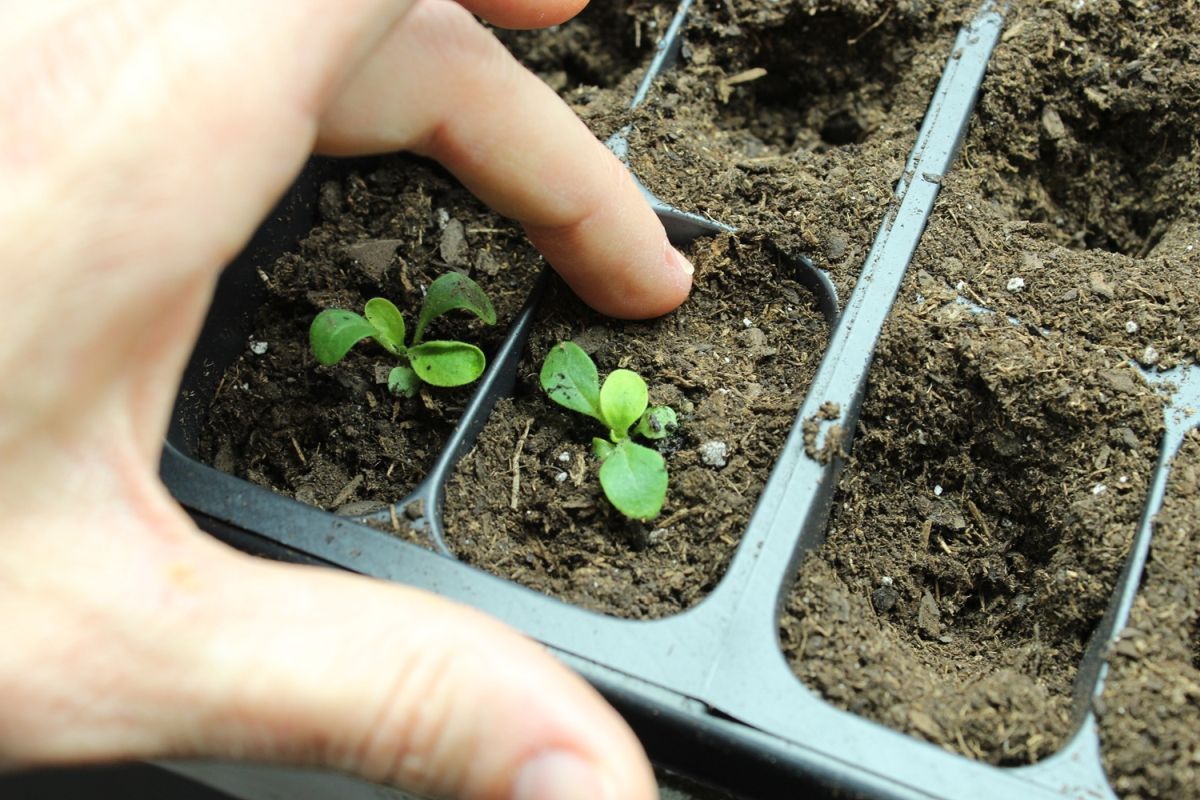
(438, 363)
(634, 477)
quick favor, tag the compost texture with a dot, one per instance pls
(1002, 458)
(734, 363)
(1007, 437)
(333, 436)
(1150, 710)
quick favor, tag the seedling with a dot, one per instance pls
(634, 477)
(438, 363)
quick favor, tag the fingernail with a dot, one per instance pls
(559, 776)
(677, 259)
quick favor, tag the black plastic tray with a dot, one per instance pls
(708, 690)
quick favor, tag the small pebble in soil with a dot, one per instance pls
(1101, 286)
(884, 599)
(1131, 327)
(747, 323)
(937, 491)
(453, 245)
(1099, 489)
(564, 457)
(1015, 284)
(258, 348)
(561, 477)
(714, 453)
(929, 617)
(835, 246)
(1149, 356)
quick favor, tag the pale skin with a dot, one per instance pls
(141, 142)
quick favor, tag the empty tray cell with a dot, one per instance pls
(1075, 205)
(334, 436)
(1150, 710)
(978, 531)
(734, 361)
(1024, 318)
(799, 121)
(793, 76)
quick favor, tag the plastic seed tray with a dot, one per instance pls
(708, 690)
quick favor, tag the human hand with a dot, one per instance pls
(143, 140)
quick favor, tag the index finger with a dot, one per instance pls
(441, 85)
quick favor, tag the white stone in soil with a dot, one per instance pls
(714, 453)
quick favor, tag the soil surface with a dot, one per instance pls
(1150, 712)
(1002, 458)
(734, 363)
(333, 436)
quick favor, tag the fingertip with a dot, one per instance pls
(524, 16)
(670, 287)
(625, 283)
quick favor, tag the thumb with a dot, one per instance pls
(400, 687)
(161, 643)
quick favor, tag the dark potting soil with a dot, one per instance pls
(959, 617)
(1150, 711)
(333, 436)
(734, 363)
(999, 468)
(698, 141)
(1002, 459)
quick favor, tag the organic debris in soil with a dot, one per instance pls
(734, 361)
(992, 491)
(1150, 711)
(333, 436)
(1072, 210)
(1006, 442)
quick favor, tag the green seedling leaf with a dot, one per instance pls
(658, 423)
(402, 381)
(623, 398)
(334, 332)
(450, 291)
(634, 479)
(447, 363)
(389, 325)
(570, 378)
